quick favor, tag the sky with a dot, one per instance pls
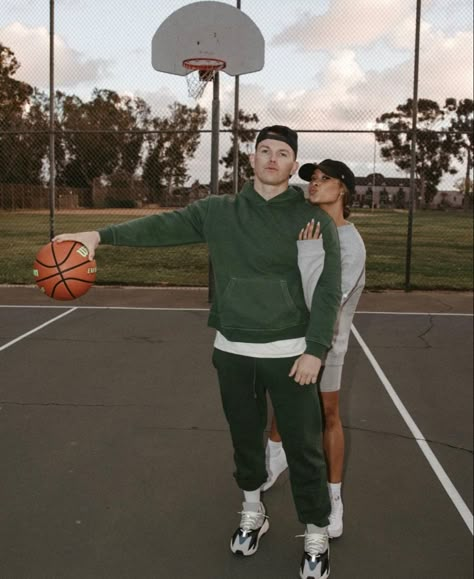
(329, 64)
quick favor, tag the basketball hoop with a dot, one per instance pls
(202, 72)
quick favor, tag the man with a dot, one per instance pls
(266, 338)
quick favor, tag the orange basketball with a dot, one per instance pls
(63, 271)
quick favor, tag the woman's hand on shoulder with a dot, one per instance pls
(311, 231)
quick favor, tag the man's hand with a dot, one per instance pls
(90, 239)
(306, 369)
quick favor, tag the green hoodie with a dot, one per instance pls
(252, 243)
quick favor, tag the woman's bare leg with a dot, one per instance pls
(333, 437)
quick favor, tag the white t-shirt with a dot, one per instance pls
(279, 349)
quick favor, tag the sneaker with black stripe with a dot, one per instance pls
(315, 561)
(253, 525)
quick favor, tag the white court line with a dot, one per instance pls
(5, 346)
(415, 313)
(115, 308)
(420, 439)
(446, 314)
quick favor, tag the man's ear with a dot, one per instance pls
(252, 160)
(294, 169)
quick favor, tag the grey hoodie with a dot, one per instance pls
(311, 261)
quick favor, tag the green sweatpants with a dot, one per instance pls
(244, 382)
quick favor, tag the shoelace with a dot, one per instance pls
(314, 543)
(249, 520)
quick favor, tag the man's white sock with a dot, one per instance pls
(252, 496)
(274, 447)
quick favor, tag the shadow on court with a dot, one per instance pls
(117, 463)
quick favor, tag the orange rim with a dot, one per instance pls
(204, 63)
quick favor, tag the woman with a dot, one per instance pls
(331, 185)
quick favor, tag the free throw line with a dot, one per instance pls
(443, 478)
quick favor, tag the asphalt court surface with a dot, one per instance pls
(117, 463)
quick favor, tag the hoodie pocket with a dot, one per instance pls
(257, 304)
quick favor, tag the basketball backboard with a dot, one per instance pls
(208, 30)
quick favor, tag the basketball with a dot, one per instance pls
(63, 271)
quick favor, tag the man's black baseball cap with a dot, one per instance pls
(279, 133)
(335, 169)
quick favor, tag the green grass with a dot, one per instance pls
(442, 249)
(441, 253)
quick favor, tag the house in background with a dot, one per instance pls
(379, 191)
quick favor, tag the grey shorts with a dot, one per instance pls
(330, 379)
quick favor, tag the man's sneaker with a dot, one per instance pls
(335, 518)
(276, 464)
(253, 525)
(315, 562)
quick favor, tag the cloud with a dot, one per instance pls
(352, 89)
(446, 66)
(31, 48)
(346, 95)
(348, 98)
(446, 70)
(335, 28)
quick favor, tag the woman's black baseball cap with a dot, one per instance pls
(335, 169)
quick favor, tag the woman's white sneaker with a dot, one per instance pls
(276, 464)
(335, 518)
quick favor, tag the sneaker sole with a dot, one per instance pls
(268, 485)
(335, 535)
(325, 576)
(263, 530)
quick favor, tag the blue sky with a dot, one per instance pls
(329, 64)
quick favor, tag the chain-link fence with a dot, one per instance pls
(126, 141)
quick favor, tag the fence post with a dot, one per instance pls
(52, 163)
(413, 149)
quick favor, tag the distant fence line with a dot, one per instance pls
(16, 197)
(375, 192)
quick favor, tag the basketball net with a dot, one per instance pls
(197, 82)
(202, 72)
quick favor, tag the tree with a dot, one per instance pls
(462, 123)
(435, 151)
(100, 137)
(174, 141)
(245, 135)
(22, 152)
